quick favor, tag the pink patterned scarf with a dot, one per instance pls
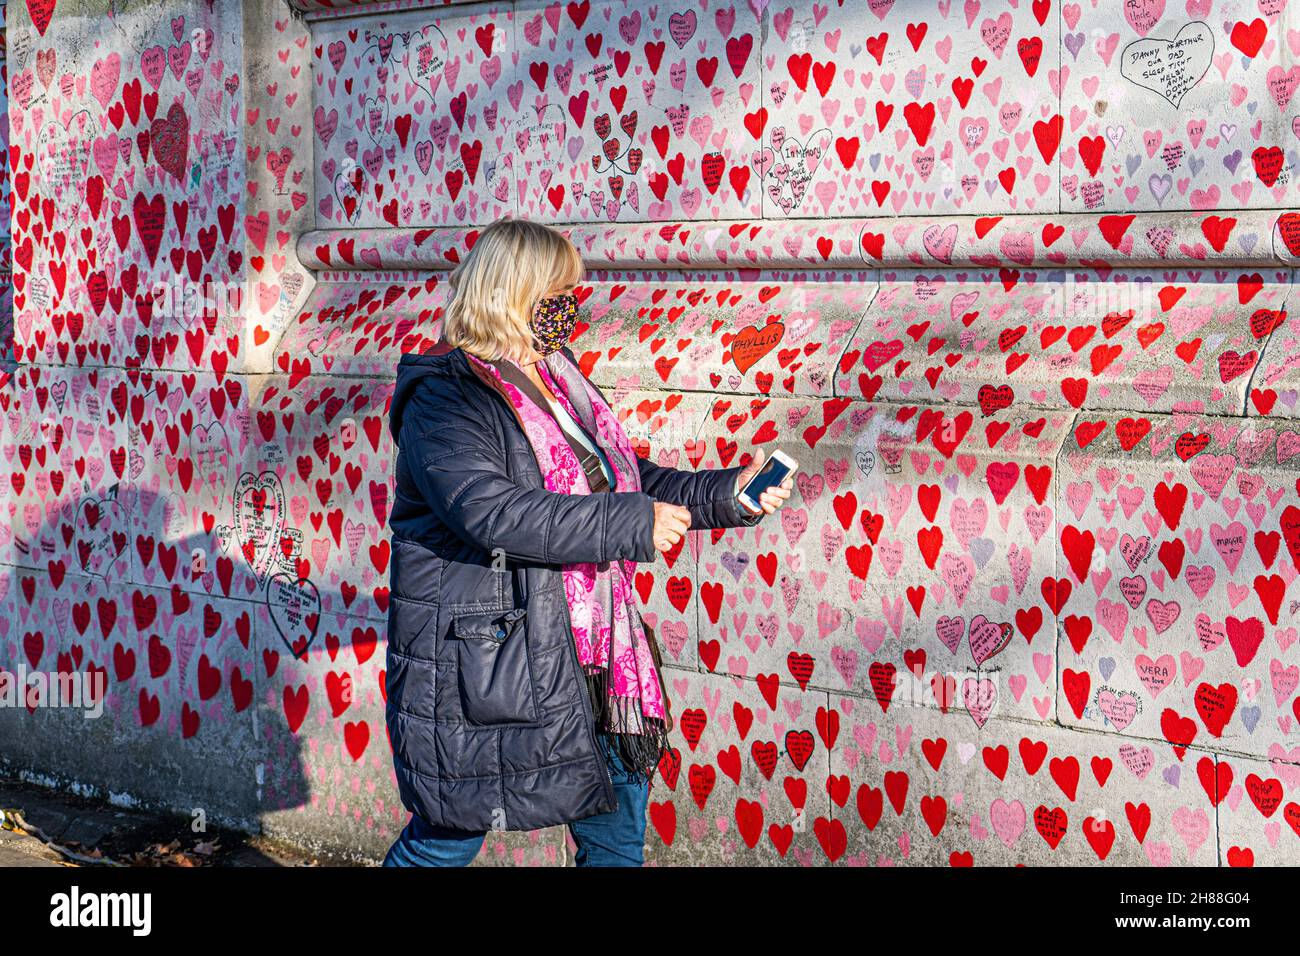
(611, 642)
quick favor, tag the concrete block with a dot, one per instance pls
(1259, 809)
(774, 334)
(1135, 151)
(670, 139)
(352, 327)
(919, 788)
(913, 528)
(185, 437)
(67, 428)
(1275, 386)
(1155, 341)
(178, 714)
(747, 787)
(830, 74)
(125, 280)
(1177, 553)
(446, 118)
(324, 769)
(322, 447)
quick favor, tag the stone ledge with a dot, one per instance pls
(332, 9)
(1256, 237)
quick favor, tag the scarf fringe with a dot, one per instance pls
(640, 741)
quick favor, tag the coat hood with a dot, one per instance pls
(440, 361)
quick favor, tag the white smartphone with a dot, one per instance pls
(773, 472)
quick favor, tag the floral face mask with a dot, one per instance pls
(553, 322)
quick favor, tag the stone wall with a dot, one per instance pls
(1010, 281)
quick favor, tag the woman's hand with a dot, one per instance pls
(671, 522)
(771, 499)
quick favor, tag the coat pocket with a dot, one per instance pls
(411, 628)
(494, 679)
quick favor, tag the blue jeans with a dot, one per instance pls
(616, 838)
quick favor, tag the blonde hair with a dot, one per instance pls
(513, 264)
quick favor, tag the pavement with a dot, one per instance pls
(21, 850)
(53, 828)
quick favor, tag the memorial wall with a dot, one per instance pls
(1010, 280)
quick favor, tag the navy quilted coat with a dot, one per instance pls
(488, 715)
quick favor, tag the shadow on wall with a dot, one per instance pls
(244, 660)
(150, 695)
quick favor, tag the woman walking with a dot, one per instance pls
(524, 690)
